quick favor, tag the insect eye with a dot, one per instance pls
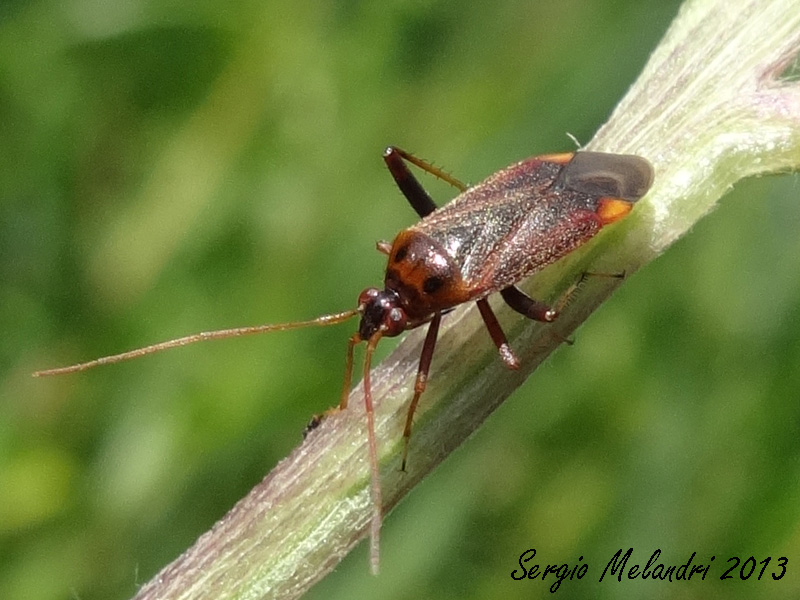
(367, 296)
(394, 321)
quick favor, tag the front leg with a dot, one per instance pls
(421, 382)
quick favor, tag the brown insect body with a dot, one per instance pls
(507, 227)
(488, 238)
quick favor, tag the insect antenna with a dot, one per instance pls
(203, 336)
(375, 482)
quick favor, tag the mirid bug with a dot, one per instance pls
(487, 239)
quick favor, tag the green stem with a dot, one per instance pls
(709, 109)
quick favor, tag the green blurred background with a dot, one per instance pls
(169, 167)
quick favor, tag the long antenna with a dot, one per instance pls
(374, 467)
(199, 337)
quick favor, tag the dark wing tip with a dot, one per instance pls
(601, 174)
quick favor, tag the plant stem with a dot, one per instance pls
(709, 109)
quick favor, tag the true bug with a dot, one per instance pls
(487, 239)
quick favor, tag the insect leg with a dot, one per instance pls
(498, 337)
(412, 189)
(572, 290)
(527, 306)
(316, 420)
(429, 168)
(539, 311)
(348, 371)
(422, 380)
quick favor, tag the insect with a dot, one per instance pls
(487, 239)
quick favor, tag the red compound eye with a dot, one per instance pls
(368, 296)
(394, 322)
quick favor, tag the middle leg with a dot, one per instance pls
(496, 332)
(539, 311)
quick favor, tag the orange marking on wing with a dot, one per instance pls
(562, 158)
(613, 209)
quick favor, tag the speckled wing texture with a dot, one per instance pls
(526, 216)
(510, 225)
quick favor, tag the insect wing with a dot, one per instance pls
(622, 176)
(590, 191)
(532, 213)
(479, 222)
